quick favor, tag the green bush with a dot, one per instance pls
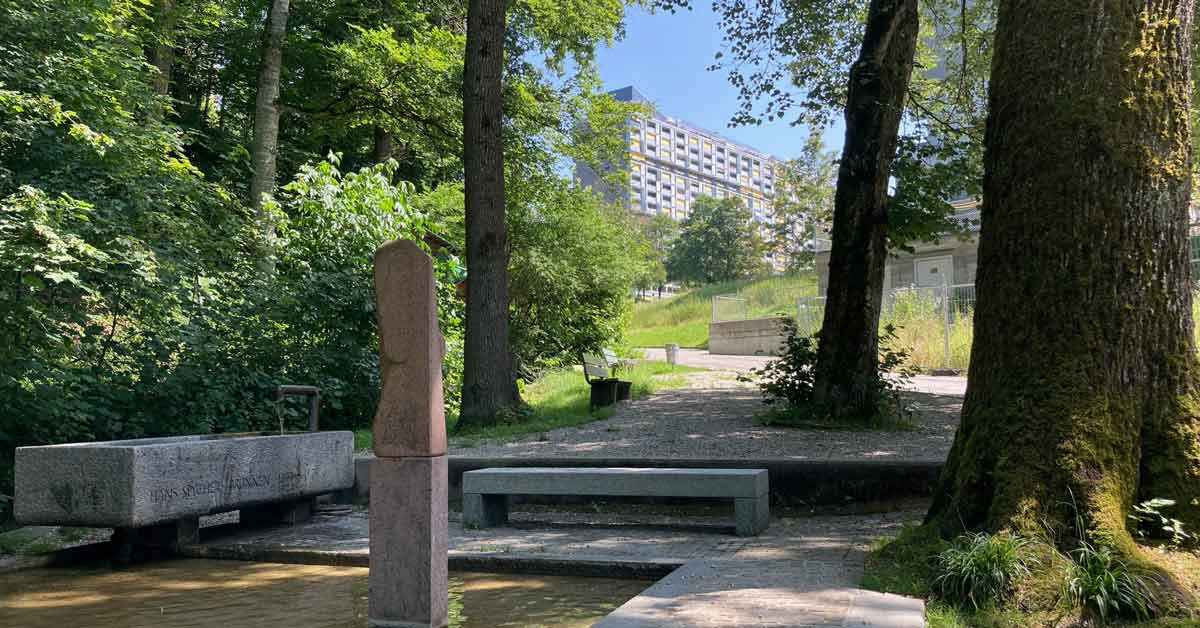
(573, 267)
(119, 334)
(787, 383)
(979, 569)
(1101, 582)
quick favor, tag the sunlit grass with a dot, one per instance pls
(684, 319)
(558, 399)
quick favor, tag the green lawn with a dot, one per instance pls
(558, 399)
(684, 319)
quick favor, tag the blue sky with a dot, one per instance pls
(664, 56)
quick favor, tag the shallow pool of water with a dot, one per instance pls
(229, 594)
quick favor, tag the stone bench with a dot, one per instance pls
(486, 491)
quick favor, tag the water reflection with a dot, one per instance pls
(227, 594)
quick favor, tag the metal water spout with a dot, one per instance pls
(314, 403)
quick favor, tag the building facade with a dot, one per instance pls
(671, 162)
(947, 260)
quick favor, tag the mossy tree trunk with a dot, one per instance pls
(848, 351)
(1083, 376)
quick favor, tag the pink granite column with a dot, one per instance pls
(408, 587)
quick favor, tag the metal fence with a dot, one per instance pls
(728, 307)
(933, 324)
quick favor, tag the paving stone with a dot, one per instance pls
(802, 571)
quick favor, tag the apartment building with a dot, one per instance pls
(672, 161)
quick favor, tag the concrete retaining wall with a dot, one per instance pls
(757, 336)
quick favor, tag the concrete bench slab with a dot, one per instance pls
(486, 491)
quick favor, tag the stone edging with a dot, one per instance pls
(814, 482)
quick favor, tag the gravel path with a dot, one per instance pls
(713, 417)
(700, 358)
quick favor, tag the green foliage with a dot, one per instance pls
(1037, 595)
(134, 291)
(660, 232)
(718, 241)
(979, 569)
(930, 175)
(1151, 521)
(803, 201)
(787, 383)
(124, 340)
(792, 59)
(1100, 581)
(570, 277)
(789, 380)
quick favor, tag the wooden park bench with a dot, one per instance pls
(599, 370)
(486, 491)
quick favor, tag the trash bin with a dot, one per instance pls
(624, 390)
(604, 393)
(672, 353)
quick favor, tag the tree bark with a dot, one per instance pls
(161, 53)
(1082, 387)
(266, 113)
(489, 385)
(848, 352)
(383, 147)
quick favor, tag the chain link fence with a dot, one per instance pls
(933, 324)
(728, 307)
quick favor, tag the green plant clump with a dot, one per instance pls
(980, 569)
(1102, 583)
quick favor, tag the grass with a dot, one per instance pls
(917, 316)
(684, 319)
(909, 565)
(558, 399)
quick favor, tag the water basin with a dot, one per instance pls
(229, 594)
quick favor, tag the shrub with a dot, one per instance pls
(787, 383)
(1152, 522)
(1099, 581)
(979, 569)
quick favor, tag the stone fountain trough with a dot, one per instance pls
(145, 482)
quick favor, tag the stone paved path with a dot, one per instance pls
(803, 571)
(713, 417)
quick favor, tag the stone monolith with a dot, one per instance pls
(408, 581)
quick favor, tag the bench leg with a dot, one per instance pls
(753, 515)
(484, 511)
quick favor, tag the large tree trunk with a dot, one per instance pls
(161, 53)
(489, 385)
(1083, 375)
(266, 113)
(848, 352)
(383, 145)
